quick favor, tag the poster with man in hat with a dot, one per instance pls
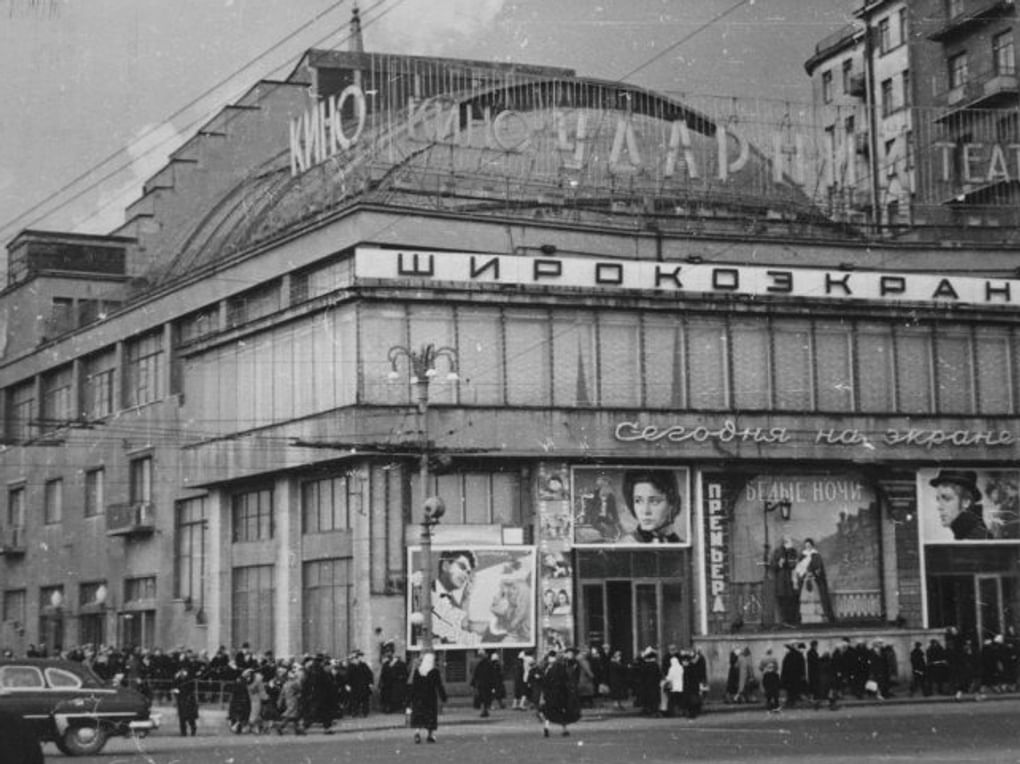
(965, 505)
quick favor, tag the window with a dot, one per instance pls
(1002, 53)
(708, 378)
(885, 43)
(573, 373)
(326, 601)
(140, 480)
(190, 550)
(904, 27)
(907, 96)
(848, 73)
(140, 589)
(875, 368)
(14, 608)
(326, 505)
(527, 359)
(834, 366)
(199, 324)
(253, 304)
(252, 617)
(849, 125)
(914, 369)
(16, 507)
(95, 491)
(57, 400)
(794, 362)
(827, 86)
(887, 97)
(955, 373)
(752, 387)
(97, 381)
(144, 371)
(619, 369)
(61, 316)
(21, 424)
(252, 515)
(954, 8)
(957, 70)
(92, 616)
(53, 501)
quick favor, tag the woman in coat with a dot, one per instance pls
(618, 675)
(240, 706)
(256, 695)
(186, 696)
(561, 703)
(425, 695)
(289, 702)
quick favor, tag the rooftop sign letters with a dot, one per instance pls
(683, 278)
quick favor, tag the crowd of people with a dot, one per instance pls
(270, 694)
(810, 673)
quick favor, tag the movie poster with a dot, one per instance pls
(786, 551)
(631, 506)
(964, 506)
(482, 597)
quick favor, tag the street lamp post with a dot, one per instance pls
(422, 367)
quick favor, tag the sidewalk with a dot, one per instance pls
(459, 711)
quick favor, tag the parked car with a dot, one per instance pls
(67, 704)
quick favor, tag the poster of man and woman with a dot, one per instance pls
(482, 596)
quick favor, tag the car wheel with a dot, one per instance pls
(84, 739)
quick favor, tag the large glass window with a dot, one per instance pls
(57, 398)
(252, 515)
(955, 371)
(21, 424)
(1003, 54)
(794, 362)
(140, 480)
(875, 368)
(619, 366)
(914, 370)
(752, 381)
(706, 364)
(326, 603)
(994, 370)
(480, 356)
(528, 359)
(834, 366)
(252, 612)
(573, 348)
(190, 528)
(97, 385)
(326, 505)
(664, 362)
(144, 370)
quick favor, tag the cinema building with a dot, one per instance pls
(562, 292)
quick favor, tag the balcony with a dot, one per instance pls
(136, 518)
(989, 91)
(12, 542)
(975, 14)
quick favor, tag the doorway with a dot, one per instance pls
(632, 615)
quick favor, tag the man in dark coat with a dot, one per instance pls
(561, 703)
(360, 679)
(393, 678)
(793, 674)
(484, 679)
(318, 695)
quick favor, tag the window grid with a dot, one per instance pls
(190, 550)
(695, 362)
(252, 516)
(326, 505)
(144, 372)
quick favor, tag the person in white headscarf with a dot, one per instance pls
(425, 695)
(673, 685)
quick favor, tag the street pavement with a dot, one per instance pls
(460, 712)
(933, 730)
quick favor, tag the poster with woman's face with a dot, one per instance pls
(964, 506)
(631, 506)
(482, 597)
